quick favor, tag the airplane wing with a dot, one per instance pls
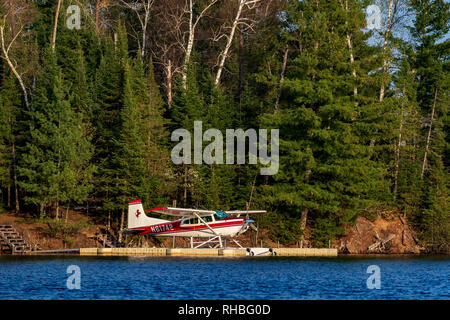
(181, 211)
(239, 212)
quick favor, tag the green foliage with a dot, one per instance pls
(56, 165)
(98, 125)
(57, 228)
(326, 169)
(68, 242)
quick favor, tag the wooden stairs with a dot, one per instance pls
(12, 241)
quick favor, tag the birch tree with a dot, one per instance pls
(193, 21)
(55, 25)
(5, 55)
(396, 12)
(239, 19)
(142, 9)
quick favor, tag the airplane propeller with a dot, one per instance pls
(252, 225)
(248, 223)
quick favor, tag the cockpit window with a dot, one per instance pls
(189, 221)
(207, 219)
(219, 215)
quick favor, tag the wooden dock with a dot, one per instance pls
(205, 252)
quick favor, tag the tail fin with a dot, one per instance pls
(137, 217)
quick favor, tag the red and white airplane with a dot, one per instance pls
(194, 223)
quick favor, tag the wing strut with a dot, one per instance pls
(212, 230)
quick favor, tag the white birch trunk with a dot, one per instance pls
(224, 53)
(5, 51)
(191, 37)
(427, 147)
(55, 26)
(386, 39)
(283, 70)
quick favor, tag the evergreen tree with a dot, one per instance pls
(12, 117)
(55, 165)
(325, 173)
(430, 62)
(106, 121)
(5, 162)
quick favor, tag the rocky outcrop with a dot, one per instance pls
(388, 233)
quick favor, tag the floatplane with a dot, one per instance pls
(194, 223)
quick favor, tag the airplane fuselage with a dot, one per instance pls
(194, 227)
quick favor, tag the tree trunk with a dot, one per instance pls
(169, 84)
(283, 70)
(56, 210)
(55, 26)
(192, 27)
(144, 30)
(386, 39)
(190, 43)
(352, 62)
(97, 9)
(9, 194)
(303, 219)
(304, 214)
(12, 18)
(241, 68)
(224, 53)
(397, 151)
(67, 212)
(5, 51)
(122, 217)
(41, 210)
(16, 188)
(427, 147)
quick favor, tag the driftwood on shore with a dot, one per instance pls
(380, 245)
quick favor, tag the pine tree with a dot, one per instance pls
(106, 121)
(326, 175)
(11, 136)
(430, 62)
(406, 167)
(128, 158)
(55, 167)
(159, 182)
(5, 162)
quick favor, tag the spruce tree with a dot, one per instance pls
(326, 176)
(55, 167)
(430, 61)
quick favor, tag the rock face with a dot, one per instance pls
(389, 233)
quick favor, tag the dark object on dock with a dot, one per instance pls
(12, 241)
(107, 239)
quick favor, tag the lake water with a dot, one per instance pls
(266, 278)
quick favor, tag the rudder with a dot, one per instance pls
(137, 217)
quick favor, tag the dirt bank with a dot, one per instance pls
(389, 232)
(79, 231)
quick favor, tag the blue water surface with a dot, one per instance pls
(267, 278)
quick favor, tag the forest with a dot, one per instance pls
(91, 91)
